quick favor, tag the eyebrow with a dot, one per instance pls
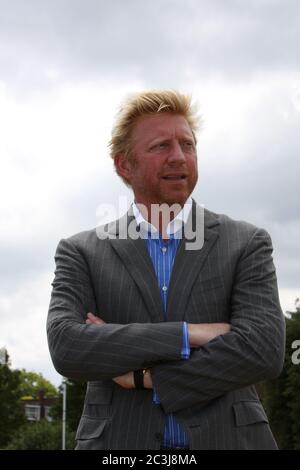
(162, 139)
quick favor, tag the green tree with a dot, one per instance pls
(281, 396)
(32, 383)
(40, 435)
(11, 409)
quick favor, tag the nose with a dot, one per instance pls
(176, 155)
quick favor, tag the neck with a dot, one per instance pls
(159, 215)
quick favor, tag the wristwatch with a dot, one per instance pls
(138, 376)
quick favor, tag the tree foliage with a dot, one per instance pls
(281, 396)
(15, 384)
(32, 383)
(11, 409)
(40, 435)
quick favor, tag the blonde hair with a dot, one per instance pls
(145, 103)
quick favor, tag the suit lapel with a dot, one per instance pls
(188, 263)
(187, 266)
(137, 261)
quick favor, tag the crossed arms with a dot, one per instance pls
(199, 335)
(250, 350)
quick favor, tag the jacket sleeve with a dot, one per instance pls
(252, 351)
(93, 352)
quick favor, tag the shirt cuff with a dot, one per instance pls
(155, 398)
(186, 350)
(185, 354)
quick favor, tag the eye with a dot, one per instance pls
(159, 146)
(188, 145)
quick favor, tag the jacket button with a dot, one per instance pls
(158, 436)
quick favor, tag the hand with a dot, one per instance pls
(125, 381)
(93, 320)
(147, 379)
(201, 333)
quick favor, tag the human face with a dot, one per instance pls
(165, 160)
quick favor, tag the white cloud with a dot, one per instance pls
(23, 326)
(54, 146)
(288, 298)
(64, 71)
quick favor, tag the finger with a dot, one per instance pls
(95, 320)
(91, 315)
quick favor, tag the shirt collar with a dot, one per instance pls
(173, 227)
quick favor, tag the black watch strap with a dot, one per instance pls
(139, 379)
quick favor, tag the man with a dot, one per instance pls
(170, 335)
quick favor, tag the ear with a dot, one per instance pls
(123, 166)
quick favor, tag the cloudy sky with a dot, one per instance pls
(64, 67)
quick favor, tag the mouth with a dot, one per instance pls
(173, 177)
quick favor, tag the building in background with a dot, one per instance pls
(37, 409)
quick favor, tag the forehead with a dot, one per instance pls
(163, 125)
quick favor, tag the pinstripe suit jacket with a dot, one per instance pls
(230, 279)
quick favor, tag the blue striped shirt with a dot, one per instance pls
(162, 253)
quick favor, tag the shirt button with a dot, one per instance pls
(164, 249)
(164, 288)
